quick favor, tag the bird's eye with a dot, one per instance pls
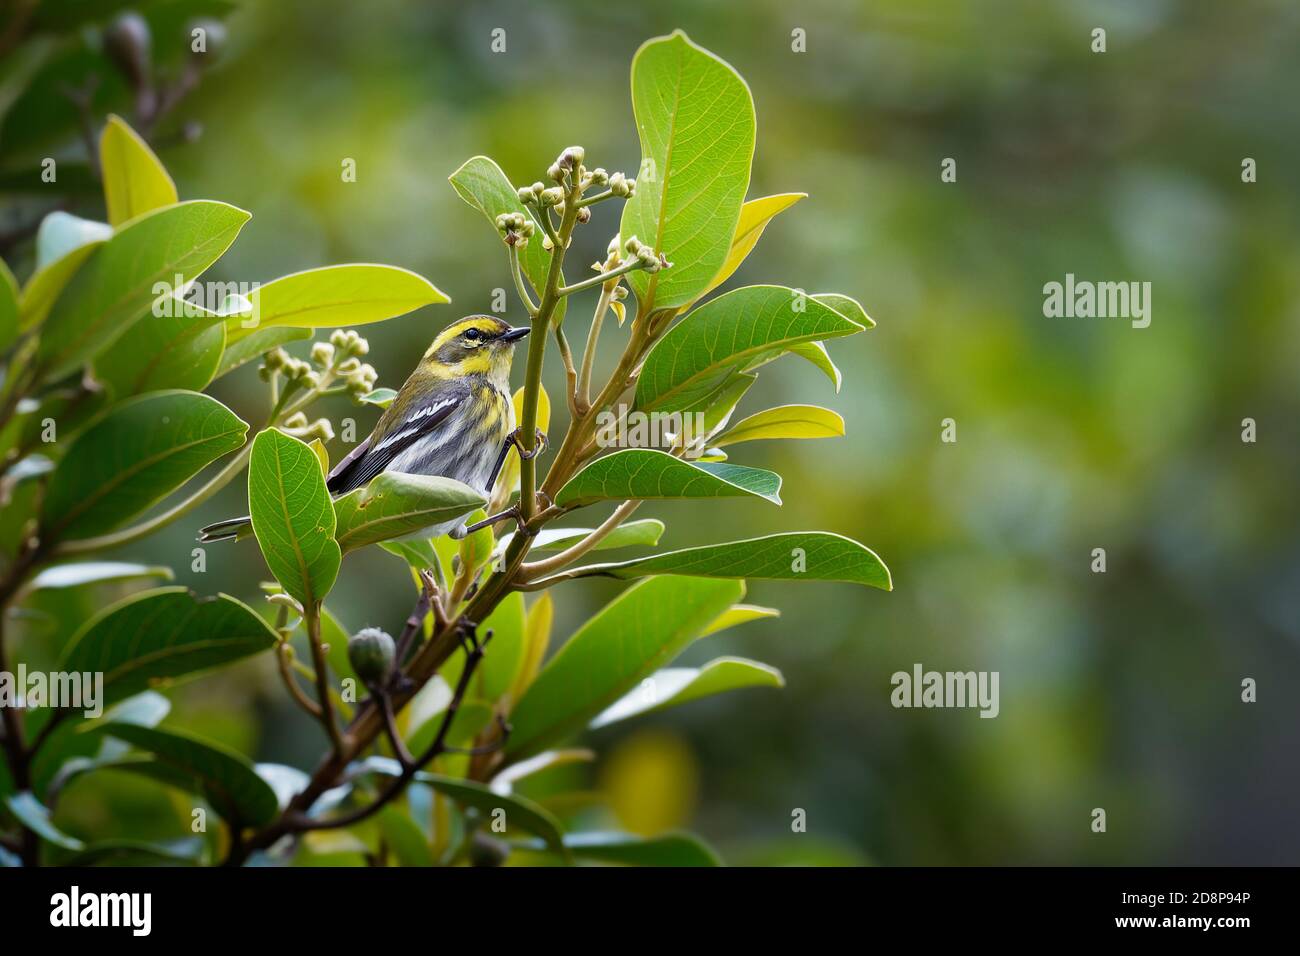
(473, 335)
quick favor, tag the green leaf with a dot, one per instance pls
(286, 781)
(646, 473)
(293, 517)
(795, 555)
(164, 634)
(382, 397)
(519, 811)
(739, 614)
(847, 307)
(168, 351)
(816, 353)
(669, 849)
(482, 184)
(724, 334)
(135, 182)
(96, 572)
(505, 781)
(34, 815)
(137, 454)
(395, 504)
(497, 672)
(116, 287)
(754, 217)
(49, 280)
(226, 778)
(255, 344)
(642, 629)
(641, 533)
(404, 838)
(183, 852)
(331, 296)
(673, 686)
(8, 307)
(695, 117)
(61, 233)
(784, 421)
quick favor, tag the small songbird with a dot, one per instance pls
(453, 417)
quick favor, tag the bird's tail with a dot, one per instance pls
(231, 529)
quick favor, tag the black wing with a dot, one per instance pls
(368, 459)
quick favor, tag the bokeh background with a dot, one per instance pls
(1119, 690)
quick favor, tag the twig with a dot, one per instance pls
(311, 617)
(286, 673)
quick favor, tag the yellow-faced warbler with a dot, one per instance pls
(453, 417)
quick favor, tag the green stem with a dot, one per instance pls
(630, 266)
(520, 287)
(551, 298)
(589, 352)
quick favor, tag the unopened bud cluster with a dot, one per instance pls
(649, 259)
(340, 357)
(515, 228)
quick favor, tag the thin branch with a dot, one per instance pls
(282, 654)
(397, 784)
(530, 572)
(520, 287)
(311, 617)
(592, 281)
(589, 352)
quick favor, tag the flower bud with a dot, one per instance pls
(276, 359)
(547, 244)
(322, 353)
(296, 420)
(525, 195)
(555, 173)
(348, 366)
(599, 177)
(632, 245)
(618, 185)
(339, 339)
(631, 188)
(371, 652)
(584, 214)
(322, 429)
(127, 42)
(572, 157)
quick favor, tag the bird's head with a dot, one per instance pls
(474, 345)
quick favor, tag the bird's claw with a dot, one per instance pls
(539, 444)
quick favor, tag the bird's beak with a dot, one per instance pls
(514, 335)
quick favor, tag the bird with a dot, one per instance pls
(453, 417)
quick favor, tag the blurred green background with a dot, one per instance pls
(1118, 690)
